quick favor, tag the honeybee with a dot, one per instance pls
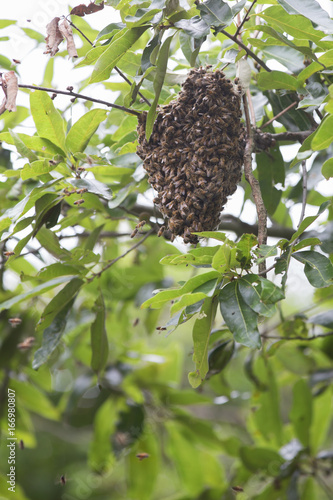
(26, 344)
(142, 456)
(14, 321)
(79, 202)
(8, 253)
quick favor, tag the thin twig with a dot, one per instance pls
(81, 96)
(292, 136)
(255, 187)
(267, 270)
(296, 337)
(247, 50)
(120, 73)
(245, 18)
(304, 192)
(279, 114)
(98, 275)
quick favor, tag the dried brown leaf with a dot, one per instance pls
(53, 37)
(66, 30)
(82, 10)
(10, 88)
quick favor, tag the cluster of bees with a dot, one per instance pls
(195, 153)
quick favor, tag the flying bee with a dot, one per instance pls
(79, 202)
(14, 321)
(82, 190)
(8, 253)
(142, 456)
(26, 344)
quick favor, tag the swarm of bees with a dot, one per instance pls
(195, 153)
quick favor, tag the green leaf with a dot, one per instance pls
(100, 455)
(318, 268)
(251, 294)
(22, 149)
(35, 169)
(142, 16)
(321, 419)
(44, 287)
(266, 417)
(296, 25)
(308, 221)
(201, 334)
(194, 27)
(324, 134)
(324, 319)
(81, 132)
(187, 300)
(35, 143)
(161, 67)
(99, 339)
(49, 240)
(327, 169)
(117, 48)
(261, 459)
(241, 320)
(216, 235)
(217, 14)
(277, 80)
(244, 249)
(48, 121)
(59, 301)
(52, 336)
(33, 399)
(310, 9)
(93, 186)
(165, 296)
(6, 22)
(301, 411)
(307, 242)
(220, 356)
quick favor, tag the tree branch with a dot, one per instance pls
(304, 192)
(247, 50)
(296, 337)
(113, 261)
(120, 73)
(255, 187)
(246, 18)
(279, 114)
(81, 96)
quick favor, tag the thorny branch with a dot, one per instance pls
(113, 261)
(81, 96)
(120, 73)
(255, 187)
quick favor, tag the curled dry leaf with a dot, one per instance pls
(82, 10)
(53, 37)
(10, 88)
(66, 30)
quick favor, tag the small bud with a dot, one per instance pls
(70, 88)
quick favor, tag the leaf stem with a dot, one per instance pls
(81, 96)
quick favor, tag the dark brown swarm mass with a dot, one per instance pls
(195, 153)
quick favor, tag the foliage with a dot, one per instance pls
(87, 292)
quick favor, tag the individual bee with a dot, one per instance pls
(161, 231)
(26, 344)
(82, 190)
(8, 253)
(79, 202)
(161, 328)
(142, 456)
(14, 321)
